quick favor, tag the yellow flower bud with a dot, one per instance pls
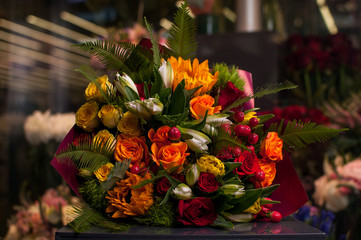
(92, 92)
(104, 136)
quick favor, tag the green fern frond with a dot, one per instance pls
(297, 135)
(182, 34)
(87, 154)
(155, 47)
(111, 54)
(262, 91)
(86, 217)
(117, 173)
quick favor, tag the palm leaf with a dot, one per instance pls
(87, 216)
(182, 34)
(155, 47)
(87, 154)
(117, 173)
(265, 90)
(297, 135)
(111, 54)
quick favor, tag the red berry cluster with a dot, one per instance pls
(267, 215)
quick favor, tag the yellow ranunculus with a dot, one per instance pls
(103, 172)
(255, 208)
(211, 164)
(195, 75)
(103, 136)
(130, 125)
(93, 93)
(87, 116)
(109, 115)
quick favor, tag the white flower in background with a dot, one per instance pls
(61, 123)
(166, 72)
(37, 127)
(43, 127)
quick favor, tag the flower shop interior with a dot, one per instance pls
(315, 44)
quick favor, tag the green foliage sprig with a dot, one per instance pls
(87, 154)
(296, 134)
(182, 34)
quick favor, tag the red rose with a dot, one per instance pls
(229, 94)
(198, 211)
(163, 184)
(249, 163)
(207, 182)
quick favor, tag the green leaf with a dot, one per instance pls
(265, 201)
(146, 91)
(131, 94)
(182, 34)
(197, 124)
(166, 197)
(266, 192)
(247, 200)
(265, 118)
(230, 166)
(163, 173)
(265, 90)
(178, 101)
(298, 134)
(155, 47)
(158, 83)
(222, 222)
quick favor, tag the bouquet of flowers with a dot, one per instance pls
(41, 219)
(168, 141)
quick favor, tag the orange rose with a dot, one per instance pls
(171, 155)
(271, 147)
(160, 137)
(133, 148)
(269, 169)
(199, 105)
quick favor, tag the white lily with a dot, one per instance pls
(153, 105)
(182, 192)
(123, 81)
(166, 72)
(198, 142)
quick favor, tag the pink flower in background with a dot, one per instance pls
(52, 198)
(351, 172)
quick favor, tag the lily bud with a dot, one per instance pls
(192, 174)
(182, 192)
(240, 218)
(198, 142)
(123, 81)
(153, 105)
(137, 107)
(234, 190)
(166, 72)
